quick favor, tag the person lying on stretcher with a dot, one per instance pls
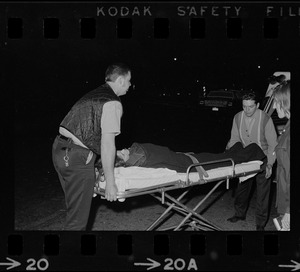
(156, 156)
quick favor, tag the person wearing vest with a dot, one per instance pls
(253, 125)
(282, 104)
(87, 132)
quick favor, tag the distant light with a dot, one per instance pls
(86, 82)
(178, 93)
(175, 59)
(258, 66)
(277, 59)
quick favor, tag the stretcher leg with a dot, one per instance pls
(187, 212)
(183, 211)
(195, 224)
(198, 216)
(151, 227)
(200, 203)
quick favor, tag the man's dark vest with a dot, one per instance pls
(84, 118)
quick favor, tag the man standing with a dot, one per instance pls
(253, 125)
(88, 131)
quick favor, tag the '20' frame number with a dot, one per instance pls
(41, 264)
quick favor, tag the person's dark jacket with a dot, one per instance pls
(84, 118)
(283, 171)
(155, 156)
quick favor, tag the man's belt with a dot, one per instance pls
(90, 156)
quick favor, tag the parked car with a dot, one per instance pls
(221, 99)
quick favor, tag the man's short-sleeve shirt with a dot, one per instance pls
(111, 117)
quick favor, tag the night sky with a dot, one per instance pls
(47, 76)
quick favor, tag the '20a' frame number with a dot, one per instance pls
(180, 264)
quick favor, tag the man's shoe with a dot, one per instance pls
(235, 218)
(260, 228)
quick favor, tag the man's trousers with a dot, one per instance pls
(263, 187)
(77, 178)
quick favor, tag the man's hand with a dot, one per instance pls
(268, 171)
(111, 190)
(286, 221)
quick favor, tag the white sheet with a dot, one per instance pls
(139, 177)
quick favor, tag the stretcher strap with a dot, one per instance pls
(199, 168)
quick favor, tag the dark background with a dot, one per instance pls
(47, 76)
(44, 77)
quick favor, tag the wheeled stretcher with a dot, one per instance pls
(134, 181)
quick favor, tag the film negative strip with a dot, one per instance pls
(54, 53)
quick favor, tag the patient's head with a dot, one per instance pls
(121, 157)
(119, 161)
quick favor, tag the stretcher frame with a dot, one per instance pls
(191, 218)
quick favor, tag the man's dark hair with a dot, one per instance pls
(251, 96)
(115, 70)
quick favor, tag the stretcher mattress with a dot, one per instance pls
(135, 177)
